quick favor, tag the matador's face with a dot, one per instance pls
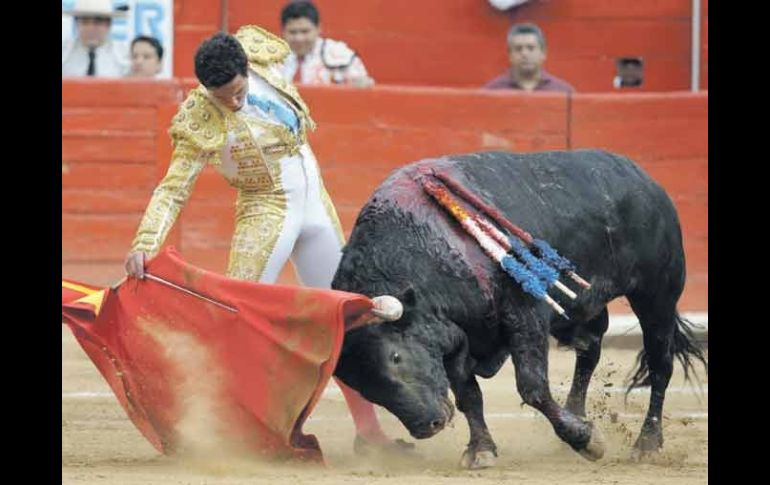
(233, 94)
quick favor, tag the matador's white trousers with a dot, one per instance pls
(296, 220)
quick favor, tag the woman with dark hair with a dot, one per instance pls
(251, 125)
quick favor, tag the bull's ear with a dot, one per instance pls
(408, 297)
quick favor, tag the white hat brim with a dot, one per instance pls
(91, 13)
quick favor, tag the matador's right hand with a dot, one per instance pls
(135, 264)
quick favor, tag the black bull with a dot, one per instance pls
(463, 316)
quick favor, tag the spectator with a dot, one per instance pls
(146, 57)
(91, 52)
(629, 72)
(314, 59)
(527, 53)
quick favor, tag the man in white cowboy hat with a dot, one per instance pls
(92, 52)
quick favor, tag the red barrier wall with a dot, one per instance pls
(115, 148)
(110, 135)
(667, 135)
(194, 21)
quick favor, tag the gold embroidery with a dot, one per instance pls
(201, 125)
(259, 220)
(254, 172)
(261, 46)
(276, 149)
(167, 200)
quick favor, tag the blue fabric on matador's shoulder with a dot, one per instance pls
(284, 114)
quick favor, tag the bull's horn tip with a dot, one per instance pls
(387, 307)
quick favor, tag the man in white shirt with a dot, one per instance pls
(92, 52)
(314, 59)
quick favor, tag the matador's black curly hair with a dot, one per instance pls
(219, 59)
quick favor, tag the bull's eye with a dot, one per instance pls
(395, 358)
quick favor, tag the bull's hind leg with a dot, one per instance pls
(658, 322)
(588, 347)
(529, 351)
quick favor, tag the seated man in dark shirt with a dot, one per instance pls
(526, 52)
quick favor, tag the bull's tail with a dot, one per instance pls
(687, 349)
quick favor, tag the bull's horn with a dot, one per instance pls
(387, 308)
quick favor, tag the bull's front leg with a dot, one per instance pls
(529, 350)
(481, 451)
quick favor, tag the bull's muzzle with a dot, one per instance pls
(439, 421)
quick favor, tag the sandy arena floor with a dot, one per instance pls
(101, 446)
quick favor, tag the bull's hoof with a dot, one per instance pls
(639, 455)
(596, 446)
(478, 460)
(646, 446)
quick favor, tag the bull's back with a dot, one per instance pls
(558, 195)
(597, 208)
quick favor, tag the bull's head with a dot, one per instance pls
(391, 357)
